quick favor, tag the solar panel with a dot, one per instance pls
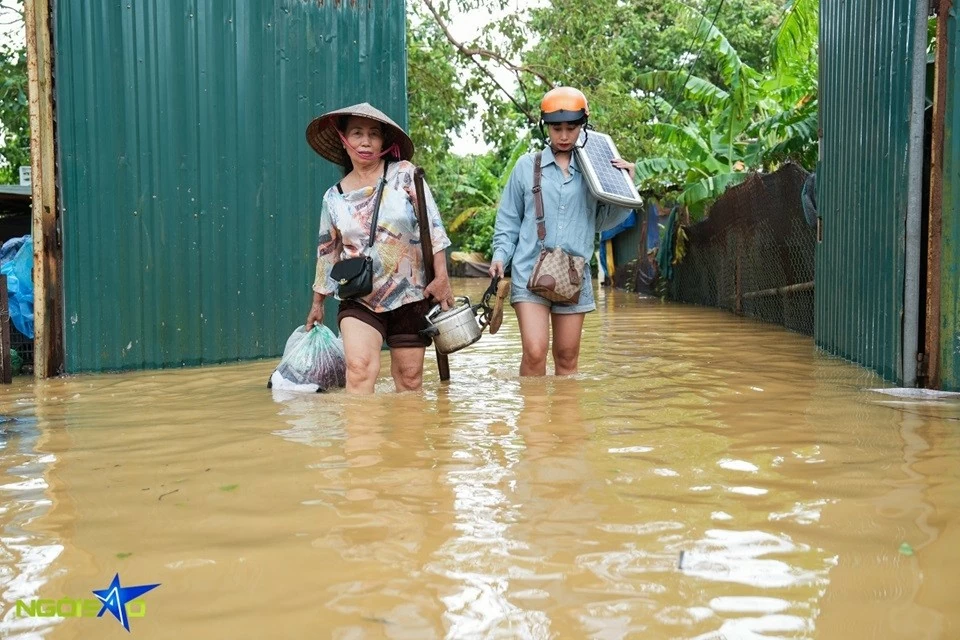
(606, 182)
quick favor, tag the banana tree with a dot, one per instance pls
(793, 132)
(714, 136)
(479, 191)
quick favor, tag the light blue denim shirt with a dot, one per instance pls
(572, 216)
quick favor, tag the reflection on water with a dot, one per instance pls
(26, 559)
(702, 477)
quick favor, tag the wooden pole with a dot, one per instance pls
(6, 372)
(931, 348)
(48, 312)
(423, 221)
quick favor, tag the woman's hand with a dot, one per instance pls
(620, 163)
(440, 291)
(316, 314)
(496, 269)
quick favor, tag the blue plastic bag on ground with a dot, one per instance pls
(19, 272)
(313, 361)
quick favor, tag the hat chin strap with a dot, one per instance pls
(393, 149)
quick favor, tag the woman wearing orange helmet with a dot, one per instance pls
(572, 216)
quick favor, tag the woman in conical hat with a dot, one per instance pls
(375, 154)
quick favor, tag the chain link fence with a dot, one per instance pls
(754, 253)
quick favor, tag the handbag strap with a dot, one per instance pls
(376, 208)
(538, 197)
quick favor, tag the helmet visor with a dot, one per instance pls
(574, 117)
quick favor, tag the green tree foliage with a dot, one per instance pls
(604, 47)
(14, 113)
(485, 177)
(592, 45)
(466, 188)
(596, 45)
(700, 103)
(438, 106)
(14, 107)
(752, 120)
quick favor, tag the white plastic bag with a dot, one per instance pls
(313, 361)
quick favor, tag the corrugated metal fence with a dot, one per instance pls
(867, 57)
(190, 197)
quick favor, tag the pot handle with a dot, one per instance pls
(436, 308)
(431, 331)
(482, 312)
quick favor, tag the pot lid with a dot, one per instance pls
(461, 304)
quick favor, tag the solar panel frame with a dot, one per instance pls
(606, 182)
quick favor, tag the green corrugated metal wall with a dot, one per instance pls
(866, 57)
(950, 256)
(190, 197)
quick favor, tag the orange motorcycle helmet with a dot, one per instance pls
(564, 104)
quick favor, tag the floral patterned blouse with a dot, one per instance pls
(398, 275)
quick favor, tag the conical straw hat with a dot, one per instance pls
(322, 133)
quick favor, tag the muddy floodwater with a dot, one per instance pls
(704, 476)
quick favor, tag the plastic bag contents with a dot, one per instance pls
(312, 361)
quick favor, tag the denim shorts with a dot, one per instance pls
(519, 293)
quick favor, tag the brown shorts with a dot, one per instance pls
(400, 327)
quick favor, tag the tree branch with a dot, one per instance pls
(471, 54)
(493, 55)
(14, 8)
(11, 20)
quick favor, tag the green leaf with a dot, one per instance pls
(656, 168)
(732, 65)
(709, 189)
(796, 38)
(463, 218)
(661, 107)
(698, 90)
(518, 150)
(685, 138)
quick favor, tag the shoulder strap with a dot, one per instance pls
(376, 208)
(538, 197)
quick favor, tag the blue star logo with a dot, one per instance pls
(116, 597)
